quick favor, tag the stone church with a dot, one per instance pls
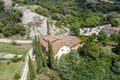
(61, 44)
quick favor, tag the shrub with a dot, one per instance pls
(58, 24)
(15, 59)
(16, 76)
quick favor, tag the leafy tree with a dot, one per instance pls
(113, 37)
(75, 29)
(48, 74)
(90, 49)
(1, 6)
(116, 67)
(117, 49)
(1, 26)
(114, 22)
(67, 65)
(91, 38)
(50, 56)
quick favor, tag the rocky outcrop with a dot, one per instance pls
(8, 3)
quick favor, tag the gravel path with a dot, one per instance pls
(17, 41)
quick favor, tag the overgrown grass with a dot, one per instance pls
(7, 72)
(10, 48)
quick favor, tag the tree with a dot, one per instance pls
(115, 22)
(90, 49)
(103, 39)
(1, 26)
(117, 49)
(44, 61)
(50, 56)
(39, 55)
(92, 37)
(48, 74)
(75, 29)
(1, 6)
(31, 73)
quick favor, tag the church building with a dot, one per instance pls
(61, 44)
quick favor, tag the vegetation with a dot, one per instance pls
(8, 72)
(117, 49)
(9, 48)
(42, 64)
(47, 74)
(10, 21)
(50, 56)
(92, 63)
(94, 60)
(77, 12)
(31, 74)
(39, 55)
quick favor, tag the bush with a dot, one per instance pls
(8, 63)
(58, 24)
(16, 76)
(42, 11)
(48, 74)
(15, 59)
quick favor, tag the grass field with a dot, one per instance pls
(7, 72)
(9, 48)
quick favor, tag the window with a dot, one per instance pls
(62, 50)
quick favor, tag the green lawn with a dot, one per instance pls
(7, 72)
(9, 48)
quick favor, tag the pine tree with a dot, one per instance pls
(50, 56)
(31, 74)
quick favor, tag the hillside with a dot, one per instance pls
(80, 13)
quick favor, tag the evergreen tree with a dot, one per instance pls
(44, 61)
(50, 56)
(31, 73)
(39, 53)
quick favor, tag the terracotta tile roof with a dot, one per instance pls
(71, 40)
(59, 41)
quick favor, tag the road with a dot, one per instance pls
(25, 70)
(17, 41)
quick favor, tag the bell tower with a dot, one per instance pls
(49, 26)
